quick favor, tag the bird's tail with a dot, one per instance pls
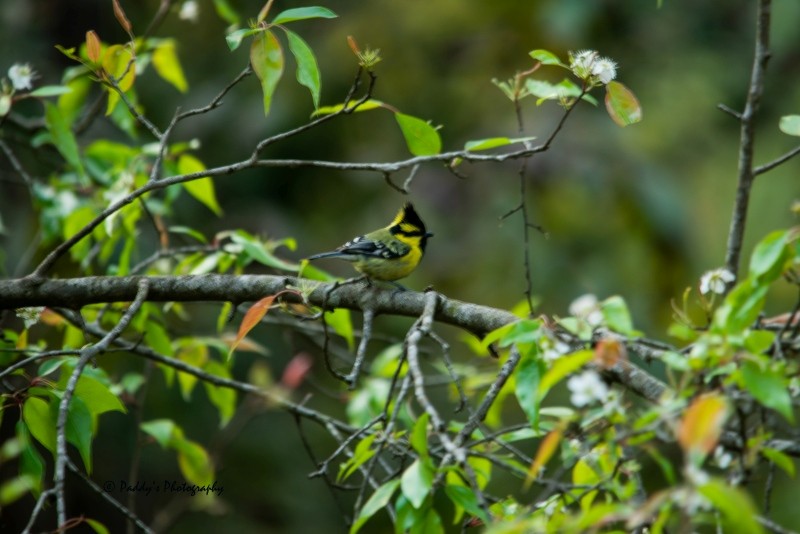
(333, 254)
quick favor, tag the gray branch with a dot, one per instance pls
(747, 138)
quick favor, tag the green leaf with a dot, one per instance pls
(301, 13)
(234, 39)
(546, 57)
(562, 367)
(741, 307)
(494, 142)
(257, 251)
(361, 454)
(36, 415)
(780, 459)
(341, 322)
(221, 397)
(79, 428)
(422, 138)
(419, 435)
(162, 430)
(97, 396)
(769, 256)
(75, 222)
(50, 90)
(15, 488)
(768, 387)
(336, 108)
(522, 331)
(790, 124)
(201, 189)
(759, 341)
(307, 70)
(167, 65)
(529, 375)
(266, 58)
(71, 103)
(226, 12)
(96, 525)
(62, 137)
(31, 462)
(375, 504)
(616, 315)
(417, 481)
(622, 105)
(118, 63)
(157, 339)
(194, 462)
(465, 498)
(195, 354)
(738, 511)
(185, 230)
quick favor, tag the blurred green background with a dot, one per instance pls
(640, 211)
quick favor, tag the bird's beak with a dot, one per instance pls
(428, 234)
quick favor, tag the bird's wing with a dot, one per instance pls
(364, 246)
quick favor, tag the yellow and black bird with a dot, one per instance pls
(387, 254)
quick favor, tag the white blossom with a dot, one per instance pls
(588, 65)
(587, 307)
(190, 11)
(553, 349)
(715, 281)
(581, 64)
(722, 457)
(604, 69)
(30, 316)
(22, 76)
(586, 388)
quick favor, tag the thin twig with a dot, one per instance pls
(12, 158)
(134, 519)
(361, 353)
(747, 138)
(87, 355)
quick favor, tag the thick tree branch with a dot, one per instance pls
(76, 292)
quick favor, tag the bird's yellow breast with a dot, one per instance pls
(395, 268)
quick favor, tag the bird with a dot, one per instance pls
(387, 254)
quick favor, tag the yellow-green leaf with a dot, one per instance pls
(700, 429)
(36, 415)
(194, 462)
(266, 58)
(118, 63)
(167, 65)
(201, 189)
(622, 105)
(301, 13)
(422, 139)
(336, 108)
(738, 511)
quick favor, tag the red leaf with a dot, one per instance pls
(296, 371)
(253, 316)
